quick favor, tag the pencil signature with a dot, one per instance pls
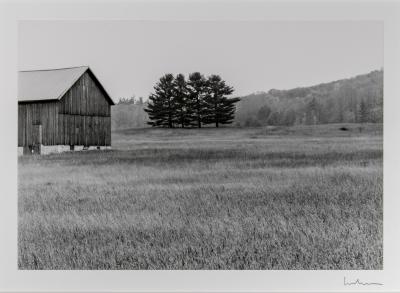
(358, 282)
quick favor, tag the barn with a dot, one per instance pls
(62, 109)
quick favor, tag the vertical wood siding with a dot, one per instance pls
(84, 115)
(81, 117)
(30, 114)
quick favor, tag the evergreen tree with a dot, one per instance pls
(363, 113)
(161, 106)
(312, 112)
(197, 89)
(218, 109)
(340, 110)
(183, 114)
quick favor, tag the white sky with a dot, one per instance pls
(129, 56)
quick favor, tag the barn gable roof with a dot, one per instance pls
(51, 84)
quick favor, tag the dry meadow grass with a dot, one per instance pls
(281, 198)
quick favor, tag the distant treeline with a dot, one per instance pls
(177, 102)
(130, 101)
(358, 99)
(129, 113)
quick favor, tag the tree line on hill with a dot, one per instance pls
(197, 101)
(131, 101)
(358, 99)
(129, 113)
(354, 100)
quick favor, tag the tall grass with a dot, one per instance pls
(234, 199)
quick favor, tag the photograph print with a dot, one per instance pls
(200, 145)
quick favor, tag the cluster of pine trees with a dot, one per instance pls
(197, 101)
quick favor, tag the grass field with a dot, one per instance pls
(276, 198)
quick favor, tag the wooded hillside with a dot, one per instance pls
(357, 99)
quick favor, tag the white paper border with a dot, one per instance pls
(199, 281)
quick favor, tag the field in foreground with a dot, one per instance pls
(279, 198)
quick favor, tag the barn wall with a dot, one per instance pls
(85, 98)
(35, 113)
(84, 130)
(84, 115)
(81, 117)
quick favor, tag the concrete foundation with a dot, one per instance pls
(79, 148)
(54, 149)
(92, 148)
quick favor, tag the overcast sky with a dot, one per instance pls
(129, 56)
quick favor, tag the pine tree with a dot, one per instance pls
(311, 112)
(218, 109)
(197, 86)
(161, 106)
(363, 113)
(183, 114)
(340, 110)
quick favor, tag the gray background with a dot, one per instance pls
(130, 56)
(13, 280)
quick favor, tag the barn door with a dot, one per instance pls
(36, 138)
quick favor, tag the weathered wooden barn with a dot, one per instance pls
(62, 109)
